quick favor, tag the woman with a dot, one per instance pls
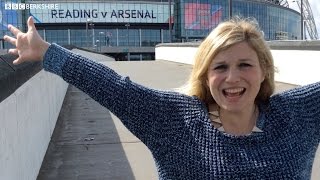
(227, 126)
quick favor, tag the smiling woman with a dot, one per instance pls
(235, 70)
(234, 78)
(219, 40)
(227, 126)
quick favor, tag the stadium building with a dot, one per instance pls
(131, 29)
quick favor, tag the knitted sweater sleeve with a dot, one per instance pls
(144, 111)
(302, 105)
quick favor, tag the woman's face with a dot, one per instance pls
(234, 78)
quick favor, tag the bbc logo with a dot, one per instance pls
(23, 6)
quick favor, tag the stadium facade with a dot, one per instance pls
(131, 29)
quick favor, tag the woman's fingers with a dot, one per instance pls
(14, 30)
(17, 61)
(13, 51)
(11, 40)
(31, 26)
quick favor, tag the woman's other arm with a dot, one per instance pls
(144, 111)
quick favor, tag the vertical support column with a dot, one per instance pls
(230, 9)
(128, 45)
(161, 35)
(140, 38)
(301, 14)
(2, 44)
(87, 34)
(170, 23)
(89, 23)
(69, 36)
(93, 41)
(117, 37)
(44, 35)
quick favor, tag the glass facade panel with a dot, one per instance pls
(150, 37)
(129, 37)
(57, 36)
(80, 38)
(134, 39)
(166, 36)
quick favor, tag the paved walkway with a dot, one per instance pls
(91, 143)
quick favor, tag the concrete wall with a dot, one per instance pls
(297, 67)
(28, 117)
(297, 63)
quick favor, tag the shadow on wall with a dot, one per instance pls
(13, 76)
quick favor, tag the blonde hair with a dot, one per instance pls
(222, 37)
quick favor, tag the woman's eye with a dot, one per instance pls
(245, 65)
(221, 67)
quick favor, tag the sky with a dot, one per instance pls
(315, 6)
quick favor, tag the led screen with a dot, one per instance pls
(202, 16)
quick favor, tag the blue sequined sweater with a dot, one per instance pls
(180, 136)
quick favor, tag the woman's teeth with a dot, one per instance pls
(234, 91)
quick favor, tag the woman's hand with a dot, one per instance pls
(29, 46)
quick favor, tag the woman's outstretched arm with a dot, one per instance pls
(146, 112)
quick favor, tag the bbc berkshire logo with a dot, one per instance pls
(23, 6)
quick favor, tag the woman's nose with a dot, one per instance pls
(233, 76)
